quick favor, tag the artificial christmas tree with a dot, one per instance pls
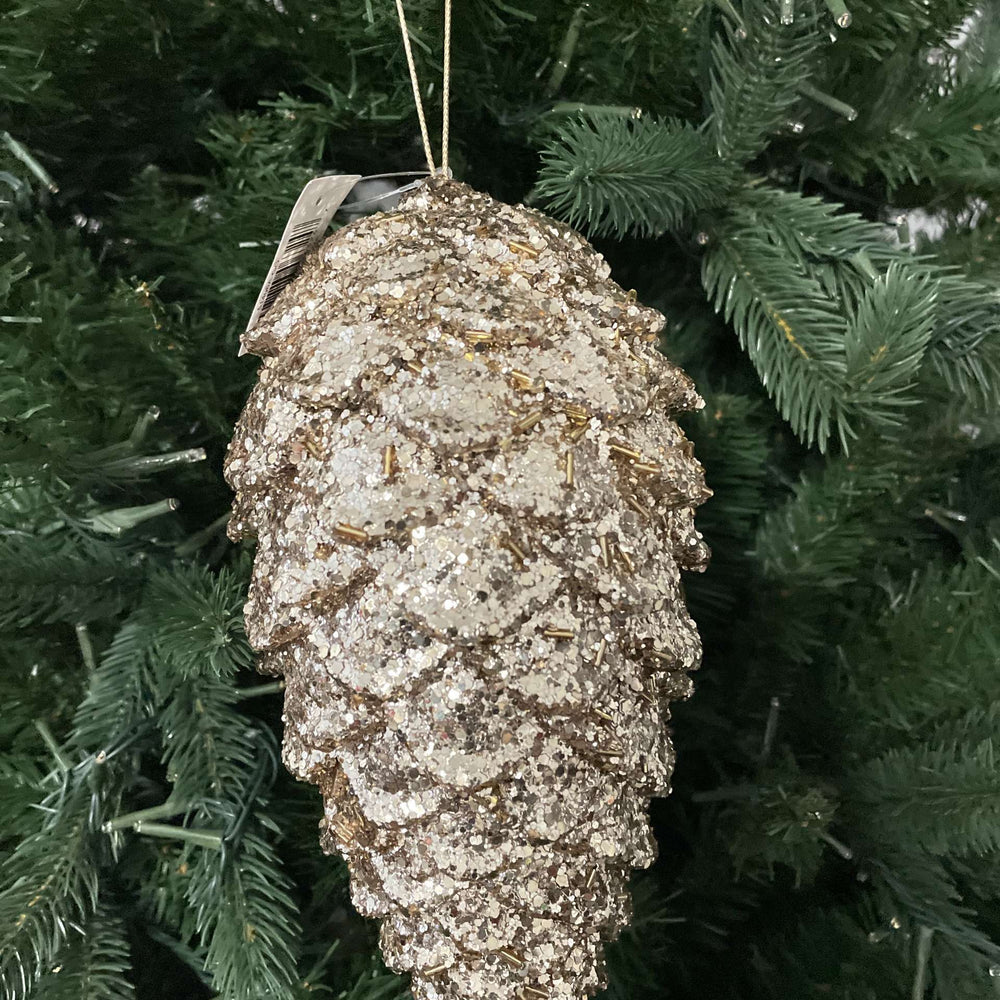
(813, 209)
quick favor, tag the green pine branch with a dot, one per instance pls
(824, 535)
(781, 818)
(162, 899)
(882, 369)
(834, 943)
(930, 655)
(965, 345)
(607, 174)
(221, 766)
(791, 330)
(842, 251)
(732, 441)
(378, 983)
(914, 890)
(877, 26)
(117, 699)
(943, 798)
(50, 885)
(936, 128)
(60, 393)
(957, 972)
(837, 322)
(246, 918)
(67, 575)
(731, 436)
(20, 789)
(95, 965)
(183, 647)
(755, 78)
(198, 619)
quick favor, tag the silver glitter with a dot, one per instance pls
(472, 507)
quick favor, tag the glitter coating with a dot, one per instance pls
(472, 507)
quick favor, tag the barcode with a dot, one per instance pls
(289, 259)
(319, 199)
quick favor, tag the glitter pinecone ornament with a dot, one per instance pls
(472, 506)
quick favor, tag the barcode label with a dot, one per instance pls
(306, 226)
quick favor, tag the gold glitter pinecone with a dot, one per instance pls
(472, 506)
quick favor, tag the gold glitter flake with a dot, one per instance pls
(522, 380)
(528, 421)
(558, 633)
(349, 531)
(523, 248)
(620, 449)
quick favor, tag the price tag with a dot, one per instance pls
(309, 221)
(306, 226)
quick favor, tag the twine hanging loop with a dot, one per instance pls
(415, 84)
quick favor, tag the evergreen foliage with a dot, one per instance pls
(814, 207)
(618, 175)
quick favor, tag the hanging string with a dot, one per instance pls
(415, 84)
(446, 99)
